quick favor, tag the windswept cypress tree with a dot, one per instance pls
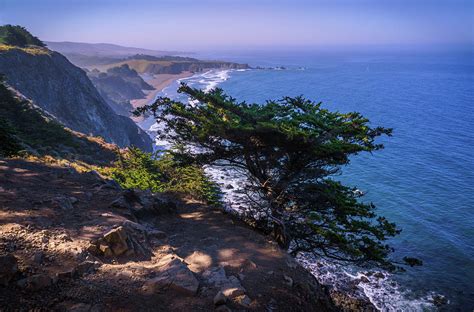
(288, 149)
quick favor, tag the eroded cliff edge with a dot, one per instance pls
(65, 91)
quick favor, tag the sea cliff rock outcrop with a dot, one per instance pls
(65, 91)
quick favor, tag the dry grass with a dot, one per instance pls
(33, 50)
(140, 66)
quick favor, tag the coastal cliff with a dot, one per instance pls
(118, 86)
(73, 240)
(172, 64)
(65, 91)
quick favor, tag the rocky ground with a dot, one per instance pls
(76, 242)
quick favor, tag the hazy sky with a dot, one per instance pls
(211, 24)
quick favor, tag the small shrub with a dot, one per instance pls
(137, 169)
(9, 144)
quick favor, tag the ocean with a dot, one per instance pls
(424, 178)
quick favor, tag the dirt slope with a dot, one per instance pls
(144, 255)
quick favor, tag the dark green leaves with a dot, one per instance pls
(288, 149)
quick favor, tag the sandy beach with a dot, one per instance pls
(159, 82)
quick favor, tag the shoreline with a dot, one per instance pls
(159, 82)
(359, 289)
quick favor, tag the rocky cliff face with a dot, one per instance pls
(66, 92)
(118, 86)
(199, 66)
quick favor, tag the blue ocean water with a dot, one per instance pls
(424, 178)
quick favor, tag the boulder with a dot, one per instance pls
(174, 275)
(220, 298)
(39, 281)
(120, 203)
(63, 202)
(120, 241)
(244, 301)
(117, 240)
(233, 292)
(8, 268)
(85, 267)
(67, 274)
(143, 204)
(379, 275)
(439, 300)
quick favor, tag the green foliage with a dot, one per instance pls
(288, 149)
(25, 127)
(29, 124)
(137, 169)
(18, 36)
(9, 144)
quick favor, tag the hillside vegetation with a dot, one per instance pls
(118, 86)
(171, 64)
(65, 92)
(18, 36)
(26, 129)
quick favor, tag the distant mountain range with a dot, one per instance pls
(86, 54)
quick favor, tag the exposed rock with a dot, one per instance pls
(198, 261)
(223, 308)
(234, 292)
(244, 301)
(117, 240)
(63, 202)
(67, 274)
(85, 267)
(111, 184)
(38, 257)
(120, 203)
(288, 280)
(364, 279)
(220, 298)
(216, 276)
(176, 276)
(346, 302)
(65, 91)
(379, 275)
(439, 300)
(8, 268)
(39, 281)
(143, 204)
(149, 231)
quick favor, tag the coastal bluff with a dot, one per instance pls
(64, 91)
(73, 241)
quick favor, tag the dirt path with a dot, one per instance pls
(49, 216)
(208, 239)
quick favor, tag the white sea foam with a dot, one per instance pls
(384, 292)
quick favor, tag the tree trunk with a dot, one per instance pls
(280, 233)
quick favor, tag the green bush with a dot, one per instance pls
(138, 169)
(18, 36)
(9, 144)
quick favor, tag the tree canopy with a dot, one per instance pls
(18, 36)
(288, 150)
